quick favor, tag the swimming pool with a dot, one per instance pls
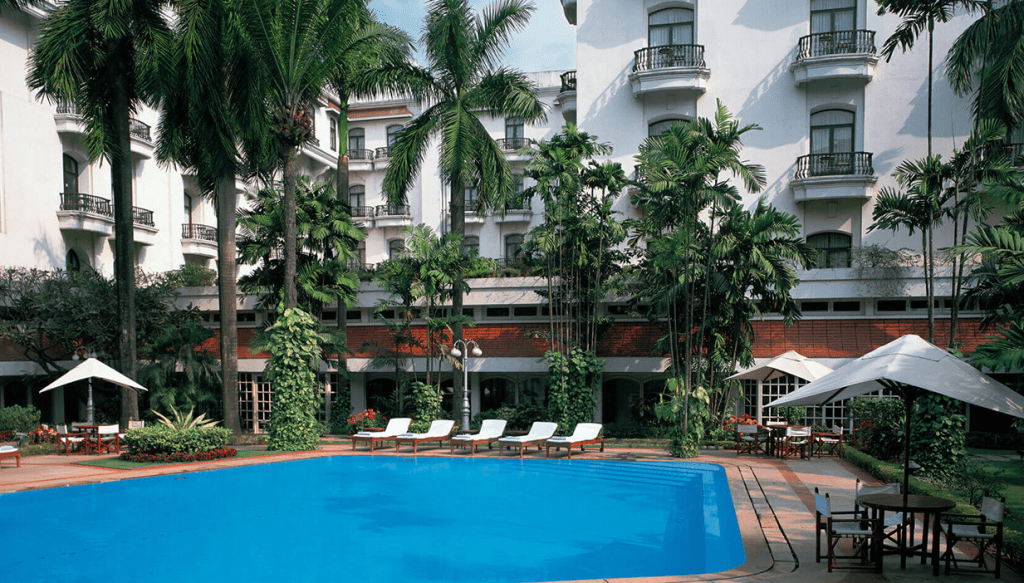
(414, 520)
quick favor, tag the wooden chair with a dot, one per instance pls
(491, 430)
(832, 441)
(132, 424)
(852, 524)
(9, 451)
(750, 439)
(796, 442)
(540, 432)
(108, 439)
(68, 440)
(585, 434)
(985, 531)
(396, 426)
(892, 526)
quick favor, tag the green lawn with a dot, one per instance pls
(119, 464)
(1012, 474)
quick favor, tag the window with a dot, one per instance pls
(513, 246)
(519, 184)
(832, 131)
(396, 249)
(497, 312)
(472, 194)
(357, 195)
(672, 26)
(659, 127)
(70, 175)
(471, 246)
(833, 249)
(393, 132)
(333, 144)
(73, 263)
(188, 208)
(356, 139)
(514, 129)
(833, 15)
(360, 252)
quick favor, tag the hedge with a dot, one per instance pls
(161, 439)
(1013, 541)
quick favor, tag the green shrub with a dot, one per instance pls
(937, 433)
(878, 426)
(519, 418)
(18, 419)
(683, 446)
(426, 402)
(573, 382)
(294, 345)
(635, 431)
(191, 275)
(160, 439)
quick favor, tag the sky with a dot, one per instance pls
(547, 44)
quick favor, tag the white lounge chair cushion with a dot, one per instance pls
(539, 430)
(490, 430)
(439, 428)
(7, 448)
(583, 432)
(396, 426)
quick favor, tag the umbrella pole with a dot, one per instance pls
(90, 410)
(908, 398)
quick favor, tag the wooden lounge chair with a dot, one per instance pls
(396, 427)
(491, 430)
(439, 431)
(585, 434)
(7, 451)
(540, 432)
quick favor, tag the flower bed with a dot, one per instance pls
(179, 457)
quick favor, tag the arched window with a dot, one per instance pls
(357, 196)
(393, 132)
(70, 175)
(672, 26)
(356, 139)
(833, 249)
(832, 131)
(833, 15)
(659, 127)
(333, 144)
(519, 183)
(396, 249)
(72, 262)
(188, 208)
(513, 246)
(514, 128)
(471, 246)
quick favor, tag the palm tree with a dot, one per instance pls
(462, 83)
(107, 57)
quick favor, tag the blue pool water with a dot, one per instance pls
(413, 520)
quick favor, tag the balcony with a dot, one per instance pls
(566, 98)
(142, 142)
(513, 147)
(86, 213)
(839, 175)
(843, 54)
(199, 240)
(393, 215)
(669, 68)
(360, 160)
(569, 9)
(145, 227)
(68, 118)
(517, 213)
(381, 158)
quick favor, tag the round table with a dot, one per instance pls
(914, 504)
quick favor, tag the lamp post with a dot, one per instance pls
(90, 409)
(464, 355)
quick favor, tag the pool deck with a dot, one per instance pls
(773, 500)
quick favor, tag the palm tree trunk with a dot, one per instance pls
(342, 186)
(290, 291)
(457, 208)
(228, 289)
(124, 246)
(931, 68)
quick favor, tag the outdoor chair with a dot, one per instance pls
(108, 439)
(892, 525)
(438, 431)
(796, 442)
(491, 430)
(7, 451)
(68, 440)
(831, 441)
(985, 531)
(396, 426)
(539, 433)
(132, 424)
(853, 525)
(585, 434)
(751, 439)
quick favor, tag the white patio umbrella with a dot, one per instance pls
(88, 370)
(791, 362)
(909, 366)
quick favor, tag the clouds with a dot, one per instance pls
(547, 44)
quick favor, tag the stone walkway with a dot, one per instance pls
(773, 500)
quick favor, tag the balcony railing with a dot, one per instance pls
(835, 164)
(393, 210)
(200, 232)
(513, 144)
(139, 130)
(141, 216)
(382, 153)
(360, 154)
(511, 261)
(362, 212)
(70, 201)
(519, 207)
(840, 42)
(568, 81)
(65, 107)
(1014, 152)
(668, 56)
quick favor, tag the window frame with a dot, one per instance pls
(471, 246)
(333, 144)
(671, 25)
(392, 132)
(358, 134)
(396, 249)
(832, 12)
(828, 256)
(357, 190)
(832, 131)
(515, 128)
(509, 240)
(66, 173)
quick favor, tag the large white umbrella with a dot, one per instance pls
(909, 366)
(791, 362)
(90, 369)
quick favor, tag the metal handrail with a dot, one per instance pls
(360, 154)
(362, 212)
(568, 81)
(382, 153)
(393, 210)
(839, 42)
(73, 201)
(834, 164)
(141, 216)
(200, 232)
(512, 144)
(666, 56)
(139, 129)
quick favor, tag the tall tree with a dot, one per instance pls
(464, 82)
(107, 58)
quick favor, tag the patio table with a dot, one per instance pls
(930, 507)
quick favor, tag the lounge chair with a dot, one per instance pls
(491, 430)
(439, 431)
(540, 432)
(396, 427)
(585, 434)
(7, 451)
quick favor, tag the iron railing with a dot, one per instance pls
(513, 144)
(360, 154)
(668, 56)
(141, 216)
(362, 212)
(139, 130)
(382, 153)
(568, 81)
(840, 42)
(511, 261)
(835, 164)
(200, 232)
(73, 201)
(393, 210)
(519, 207)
